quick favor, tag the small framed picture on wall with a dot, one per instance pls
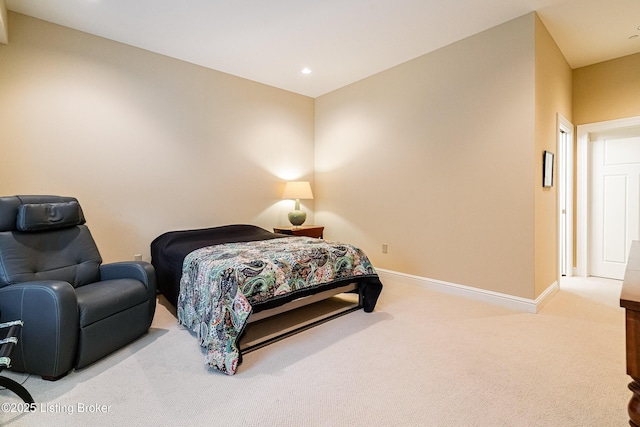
(547, 169)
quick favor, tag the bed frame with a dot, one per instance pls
(250, 342)
(168, 252)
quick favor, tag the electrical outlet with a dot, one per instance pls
(385, 248)
(137, 257)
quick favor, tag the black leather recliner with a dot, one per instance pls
(75, 310)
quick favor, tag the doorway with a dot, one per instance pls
(608, 198)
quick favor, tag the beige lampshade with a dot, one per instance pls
(297, 190)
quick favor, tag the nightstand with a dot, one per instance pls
(301, 230)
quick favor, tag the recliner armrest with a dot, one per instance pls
(49, 337)
(139, 270)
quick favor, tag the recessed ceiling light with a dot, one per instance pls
(306, 70)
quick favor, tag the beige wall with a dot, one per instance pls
(147, 143)
(553, 96)
(436, 158)
(440, 157)
(607, 91)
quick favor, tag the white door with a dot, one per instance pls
(615, 204)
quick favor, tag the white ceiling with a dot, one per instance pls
(342, 41)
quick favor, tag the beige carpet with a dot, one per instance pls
(421, 359)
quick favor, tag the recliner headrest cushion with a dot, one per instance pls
(9, 206)
(47, 216)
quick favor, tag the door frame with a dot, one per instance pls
(565, 195)
(583, 185)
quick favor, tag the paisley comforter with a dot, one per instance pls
(221, 283)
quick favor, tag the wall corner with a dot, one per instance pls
(4, 27)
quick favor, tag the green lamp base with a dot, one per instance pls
(297, 217)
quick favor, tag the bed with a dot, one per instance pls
(221, 279)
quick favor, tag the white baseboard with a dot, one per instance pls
(503, 300)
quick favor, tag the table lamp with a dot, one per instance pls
(297, 190)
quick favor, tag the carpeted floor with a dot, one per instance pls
(421, 359)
